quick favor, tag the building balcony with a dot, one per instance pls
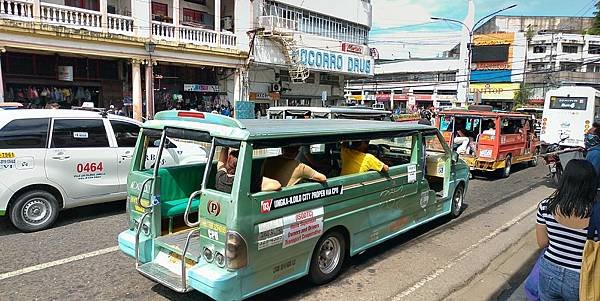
(36, 11)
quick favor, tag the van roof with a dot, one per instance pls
(262, 129)
(49, 113)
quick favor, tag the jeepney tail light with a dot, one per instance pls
(236, 251)
(190, 114)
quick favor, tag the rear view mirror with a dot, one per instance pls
(454, 157)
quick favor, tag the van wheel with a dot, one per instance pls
(328, 258)
(34, 211)
(457, 201)
(536, 154)
(507, 167)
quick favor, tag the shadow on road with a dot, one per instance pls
(70, 216)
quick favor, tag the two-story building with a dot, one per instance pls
(302, 51)
(121, 51)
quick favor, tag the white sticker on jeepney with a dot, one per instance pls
(485, 153)
(412, 173)
(302, 231)
(294, 228)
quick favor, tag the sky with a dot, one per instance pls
(401, 27)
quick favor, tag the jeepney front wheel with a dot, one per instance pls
(458, 199)
(507, 166)
(328, 257)
(34, 210)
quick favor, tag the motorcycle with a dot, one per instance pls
(556, 157)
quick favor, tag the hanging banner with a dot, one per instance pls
(200, 88)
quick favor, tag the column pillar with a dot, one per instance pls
(2, 50)
(136, 89)
(150, 90)
(218, 21)
(104, 12)
(176, 18)
(36, 10)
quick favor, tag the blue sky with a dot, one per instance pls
(403, 26)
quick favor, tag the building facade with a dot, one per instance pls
(408, 85)
(302, 52)
(120, 52)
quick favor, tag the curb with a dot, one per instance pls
(505, 274)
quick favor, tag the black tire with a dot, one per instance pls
(321, 275)
(34, 211)
(536, 155)
(507, 167)
(458, 199)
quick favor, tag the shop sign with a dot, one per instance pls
(200, 88)
(65, 73)
(446, 97)
(264, 96)
(347, 47)
(423, 97)
(492, 66)
(383, 97)
(323, 60)
(504, 91)
(494, 39)
(401, 97)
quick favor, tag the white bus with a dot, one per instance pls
(568, 114)
(328, 113)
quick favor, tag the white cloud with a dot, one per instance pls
(394, 13)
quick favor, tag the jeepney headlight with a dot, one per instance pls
(208, 254)
(236, 251)
(146, 229)
(220, 259)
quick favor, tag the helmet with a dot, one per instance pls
(425, 114)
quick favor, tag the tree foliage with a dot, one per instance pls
(522, 96)
(595, 30)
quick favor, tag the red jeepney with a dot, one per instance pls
(490, 141)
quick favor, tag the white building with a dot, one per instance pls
(408, 84)
(303, 50)
(69, 51)
(556, 59)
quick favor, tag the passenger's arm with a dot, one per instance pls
(223, 157)
(314, 175)
(385, 168)
(270, 184)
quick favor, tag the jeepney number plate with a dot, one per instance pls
(487, 153)
(553, 169)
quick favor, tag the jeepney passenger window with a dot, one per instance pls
(393, 151)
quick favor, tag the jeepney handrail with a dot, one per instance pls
(187, 210)
(137, 238)
(139, 199)
(183, 267)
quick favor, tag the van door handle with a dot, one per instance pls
(125, 157)
(61, 157)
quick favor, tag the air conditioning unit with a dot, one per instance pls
(275, 87)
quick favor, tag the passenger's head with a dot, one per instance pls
(576, 193)
(231, 164)
(290, 152)
(361, 146)
(491, 125)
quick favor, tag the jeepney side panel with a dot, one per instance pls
(368, 207)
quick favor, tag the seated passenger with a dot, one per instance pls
(491, 131)
(288, 171)
(355, 159)
(226, 172)
(461, 138)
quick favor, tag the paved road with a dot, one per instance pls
(112, 276)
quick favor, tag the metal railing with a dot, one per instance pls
(275, 23)
(119, 24)
(196, 35)
(70, 16)
(16, 9)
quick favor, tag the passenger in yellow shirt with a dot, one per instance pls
(355, 159)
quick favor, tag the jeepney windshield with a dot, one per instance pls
(178, 149)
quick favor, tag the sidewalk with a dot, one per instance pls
(505, 276)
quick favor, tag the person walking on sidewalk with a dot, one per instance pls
(562, 221)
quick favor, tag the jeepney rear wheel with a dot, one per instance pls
(458, 199)
(507, 166)
(536, 155)
(327, 258)
(34, 211)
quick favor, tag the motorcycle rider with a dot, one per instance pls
(592, 145)
(425, 117)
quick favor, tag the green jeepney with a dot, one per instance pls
(187, 235)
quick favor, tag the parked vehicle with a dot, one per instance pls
(56, 159)
(491, 141)
(328, 113)
(557, 157)
(569, 111)
(187, 235)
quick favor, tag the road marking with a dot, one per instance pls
(46, 265)
(462, 255)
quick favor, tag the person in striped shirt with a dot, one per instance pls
(562, 221)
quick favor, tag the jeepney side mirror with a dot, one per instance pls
(454, 157)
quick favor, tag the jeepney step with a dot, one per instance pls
(164, 276)
(176, 242)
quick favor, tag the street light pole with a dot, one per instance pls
(470, 44)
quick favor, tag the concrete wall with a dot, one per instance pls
(520, 23)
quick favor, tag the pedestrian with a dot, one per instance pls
(562, 221)
(592, 145)
(425, 117)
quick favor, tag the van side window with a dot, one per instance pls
(72, 133)
(25, 133)
(125, 132)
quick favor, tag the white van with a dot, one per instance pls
(56, 159)
(568, 114)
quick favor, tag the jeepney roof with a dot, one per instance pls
(484, 114)
(358, 110)
(261, 129)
